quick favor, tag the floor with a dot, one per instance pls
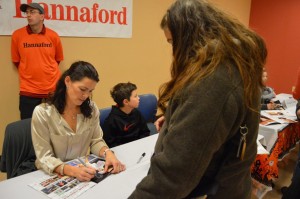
(286, 168)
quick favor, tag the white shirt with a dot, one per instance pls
(55, 142)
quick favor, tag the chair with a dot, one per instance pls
(104, 112)
(148, 108)
(18, 154)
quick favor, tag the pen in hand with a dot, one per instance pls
(82, 162)
(139, 160)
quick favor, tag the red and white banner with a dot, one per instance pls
(73, 18)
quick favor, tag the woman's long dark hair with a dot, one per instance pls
(202, 38)
(77, 71)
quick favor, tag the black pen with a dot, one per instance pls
(139, 160)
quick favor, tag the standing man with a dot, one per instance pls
(36, 51)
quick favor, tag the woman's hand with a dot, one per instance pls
(271, 106)
(81, 172)
(159, 122)
(111, 160)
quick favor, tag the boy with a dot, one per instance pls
(125, 123)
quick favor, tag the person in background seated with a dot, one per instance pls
(211, 101)
(67, 126)
(125, 123)
(267, 94)
(296, 89)
(293, 191)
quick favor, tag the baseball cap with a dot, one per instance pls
(24, 7)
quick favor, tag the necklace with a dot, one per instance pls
(71, 114)
(74, 116)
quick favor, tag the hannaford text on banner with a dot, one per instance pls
(91, 18)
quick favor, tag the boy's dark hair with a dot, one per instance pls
(122, 91)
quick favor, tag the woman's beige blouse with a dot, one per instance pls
(55, 142)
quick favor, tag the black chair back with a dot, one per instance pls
(18, 154)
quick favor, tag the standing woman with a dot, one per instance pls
(210, 103)
(67, 126)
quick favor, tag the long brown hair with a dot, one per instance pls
(77, 71)
(203, 37)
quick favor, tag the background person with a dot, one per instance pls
(293, 191)
(125, 123)
(67, 126)
(296, 89)
(36, 51)
(213, 95)
(267, 94)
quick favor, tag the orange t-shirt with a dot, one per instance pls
(38, 56)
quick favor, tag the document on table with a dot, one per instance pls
(278, 116)
(65, 186)
(287, 101)
(61, 187)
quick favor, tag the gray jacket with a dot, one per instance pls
(198, 142)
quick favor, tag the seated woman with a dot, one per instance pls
(267, 94)
(67, 126)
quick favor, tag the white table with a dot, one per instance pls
(114, 187)
(261, 142)
(270, 134)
